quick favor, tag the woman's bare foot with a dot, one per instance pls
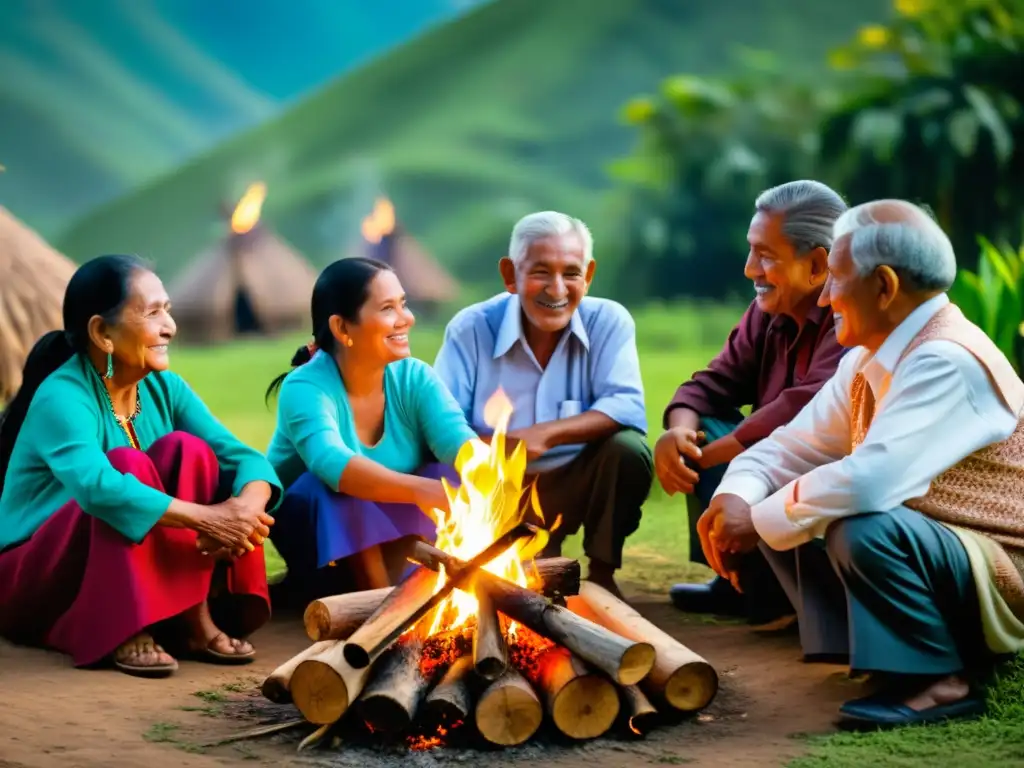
(207, 642)
(142, 656)
(944, 691)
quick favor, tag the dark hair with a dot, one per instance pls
(341, 289)
(98, 287)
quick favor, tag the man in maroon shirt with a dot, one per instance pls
(778, 356)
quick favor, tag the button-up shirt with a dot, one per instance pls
(595, 366)
(933, 410)
(768, 362)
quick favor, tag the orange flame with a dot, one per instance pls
(486, 505)
(247, 213)
(381, 222)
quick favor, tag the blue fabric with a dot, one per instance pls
(316, 432)
(316, 525)
(594, 367)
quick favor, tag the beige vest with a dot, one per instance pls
(983, 493)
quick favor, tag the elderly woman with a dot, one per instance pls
(121, 493)
(360, 427)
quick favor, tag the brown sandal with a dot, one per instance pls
(207, 653)
(142, 670)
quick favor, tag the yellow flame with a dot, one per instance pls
(247, 212)
(381, 222)
(486, 505)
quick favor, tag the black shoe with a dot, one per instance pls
(716, 596)
(880, 711)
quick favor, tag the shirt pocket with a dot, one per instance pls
(568, 408)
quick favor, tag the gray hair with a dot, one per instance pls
(902, 236)
(808, 209)
(537, 226)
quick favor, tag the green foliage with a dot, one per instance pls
(993, 297)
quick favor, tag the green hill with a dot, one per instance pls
(511, 108)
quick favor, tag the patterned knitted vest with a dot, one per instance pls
(983, 493)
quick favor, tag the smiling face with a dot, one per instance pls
(858, 301)
(138, 340)
(382, 332)
(550, 280)
(784, 280)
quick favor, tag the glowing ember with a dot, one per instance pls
(487, 504)
(380, 223)
(247, 213)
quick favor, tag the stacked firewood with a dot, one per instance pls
(577, 654)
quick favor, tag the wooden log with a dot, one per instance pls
(640, 713)
(490, 653)
(338, 616)
(508, 711)
(277, 685)
(582, 704)
(323, 686)
(416, 596)
(390, 701)
(680, 677)
(451, 701)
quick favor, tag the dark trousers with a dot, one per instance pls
(764, 597)
(602, 489)
(894, 590)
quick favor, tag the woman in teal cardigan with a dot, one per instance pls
(120, 492)
(364, 434)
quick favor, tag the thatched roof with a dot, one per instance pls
(277, 281)
(34, 277)
(423, 277)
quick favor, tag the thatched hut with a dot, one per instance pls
(33, 277)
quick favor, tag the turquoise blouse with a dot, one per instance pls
(61, 452)
(316, 432)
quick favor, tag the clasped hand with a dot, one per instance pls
(726, 530)
(235, 526)
(670, 454)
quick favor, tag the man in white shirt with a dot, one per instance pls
(854, 502)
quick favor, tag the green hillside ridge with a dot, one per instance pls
(509, 109)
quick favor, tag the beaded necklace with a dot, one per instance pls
(126, 424)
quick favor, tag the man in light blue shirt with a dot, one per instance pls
(569, 365)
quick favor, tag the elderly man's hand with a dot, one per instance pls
(726, 528)
(536, 438)
(670, 454)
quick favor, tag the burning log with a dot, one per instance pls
(679, 677)
(450, 701)
(390, 701)
(625, 661)
(324, 685)
(639, 709)
(415, 597)
(490, 654)
(508, 712)
(583, 705)
(560, 576)
(338, 616)
(277, 686)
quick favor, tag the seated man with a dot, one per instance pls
(891, 507)
(778, 356)
(569, 364)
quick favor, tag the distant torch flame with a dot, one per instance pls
(381, 222)
(485, 506)
(247, 212)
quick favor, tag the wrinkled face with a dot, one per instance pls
(382, 333)
(855, 299)
(139, 339)
(783, 279)
(551, 281)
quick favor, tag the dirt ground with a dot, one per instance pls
(54, 715)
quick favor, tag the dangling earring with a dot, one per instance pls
(348, 342)
(110, 366)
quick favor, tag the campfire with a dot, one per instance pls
(485, 637)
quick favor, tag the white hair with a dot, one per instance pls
(808, 209)
(902, 236)
(542, 224)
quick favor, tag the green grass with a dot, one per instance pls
(673, 343)
(511, 108)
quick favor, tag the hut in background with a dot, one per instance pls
(427, 284)
(249, 283)
(33, 277)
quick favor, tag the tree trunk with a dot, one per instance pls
(277, 685)
(390, 701)
(490, 654)
(679, 677)
(338, 616)
(508, 712)
(323, 686)
(582, 704)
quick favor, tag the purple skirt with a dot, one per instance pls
(315, 525)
